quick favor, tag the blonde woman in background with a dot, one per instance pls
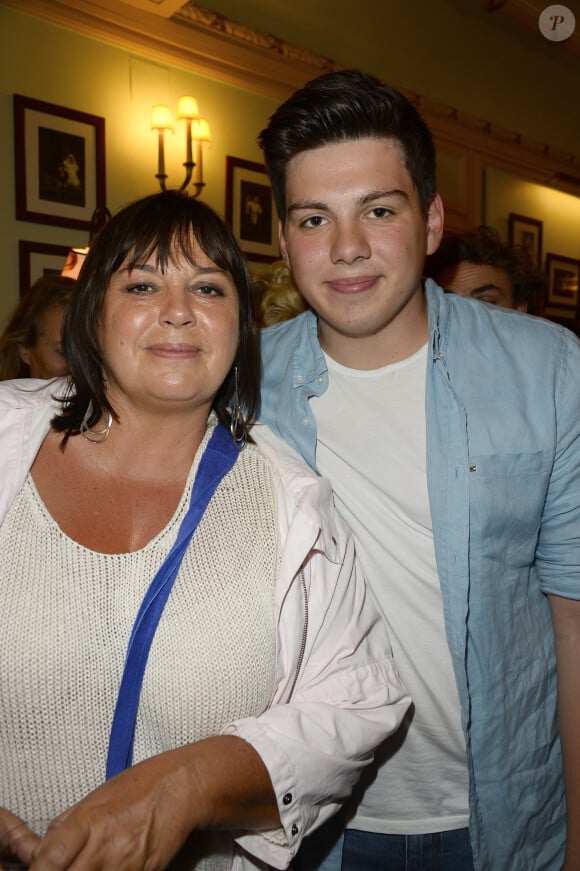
(276, 296)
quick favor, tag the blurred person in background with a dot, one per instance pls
(477, 264)
(31, 344)
(276, 297)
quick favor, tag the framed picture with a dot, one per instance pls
(526, 232)
(59, 163)
(37, 259)
(563, 293)
(250, 210)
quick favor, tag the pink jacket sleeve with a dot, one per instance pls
(322, 726)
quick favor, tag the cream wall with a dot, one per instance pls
(59, 66)
(559, 212)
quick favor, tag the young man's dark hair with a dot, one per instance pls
(347, 105)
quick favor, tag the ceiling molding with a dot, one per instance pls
(193, 39)
(163, 8)
(499, 147)
(196, 16)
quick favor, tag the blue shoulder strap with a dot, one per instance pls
(218, 458)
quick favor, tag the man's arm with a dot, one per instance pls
(566, 622)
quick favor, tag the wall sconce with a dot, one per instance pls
(196, 133)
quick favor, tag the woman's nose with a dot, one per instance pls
(177, 307)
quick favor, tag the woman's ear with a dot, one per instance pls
(24, 354)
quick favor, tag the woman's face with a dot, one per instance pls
(169, 338)
(45, 358)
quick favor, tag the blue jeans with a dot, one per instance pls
(439, 851)
(354, 850)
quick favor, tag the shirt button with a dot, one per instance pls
(305, 421)
(299, 379)
(294, 829)
(287, 798)
(320, 379)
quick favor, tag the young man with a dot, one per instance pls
(479, 265)
(451, 435)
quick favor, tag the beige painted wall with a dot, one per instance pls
(559, 212)
(58, 66)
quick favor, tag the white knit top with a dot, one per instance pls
(67, 613)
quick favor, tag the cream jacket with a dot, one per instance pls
(337, 693)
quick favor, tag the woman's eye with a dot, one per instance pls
(209, 290)
(139, 288)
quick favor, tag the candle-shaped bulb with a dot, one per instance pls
(161, 118)
(187, 108)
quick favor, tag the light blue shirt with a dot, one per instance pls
(503, 468)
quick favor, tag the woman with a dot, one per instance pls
(31, 344)
(269, 679)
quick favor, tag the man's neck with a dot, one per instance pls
(398, 340)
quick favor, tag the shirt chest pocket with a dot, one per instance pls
(507, 495)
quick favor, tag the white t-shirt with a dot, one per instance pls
(372, 447)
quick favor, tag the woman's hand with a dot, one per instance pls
(138, 820)
(16, 839)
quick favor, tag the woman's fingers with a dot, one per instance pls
(17, 841)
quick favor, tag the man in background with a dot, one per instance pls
(479, 265)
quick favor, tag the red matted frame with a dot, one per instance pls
(250, 209)
(526, 232)
(36, 259)
(563, 297)
(59, 162)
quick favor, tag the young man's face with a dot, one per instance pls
(355, 239)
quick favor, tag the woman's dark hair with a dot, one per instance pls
(163, 225)
(26, 323)
(341, 106)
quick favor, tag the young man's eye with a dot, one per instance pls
(381, 212)
(313, 221)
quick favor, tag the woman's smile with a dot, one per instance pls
(173, 350)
